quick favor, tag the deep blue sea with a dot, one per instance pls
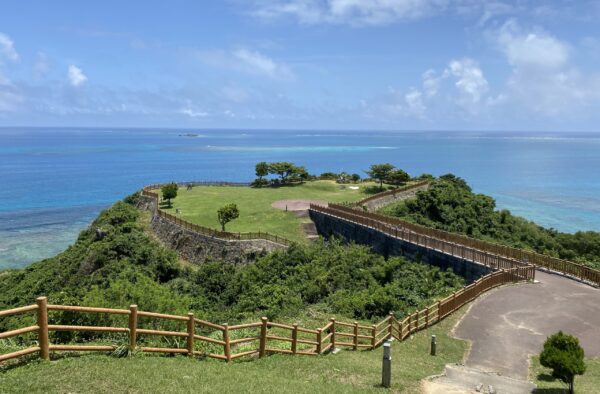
(54, 181)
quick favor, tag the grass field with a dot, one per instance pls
(200, 205)
(588, 383)
(345, 372)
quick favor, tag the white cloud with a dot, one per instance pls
(193, 113)
(543, 79)
(431, 83)
(531, 49)
(255, 62)
(7, 48)
(76, 76)
(371, 12)
(471, 83)
(246, 61)
(414, 103)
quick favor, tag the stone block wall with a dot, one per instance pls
(386, 245)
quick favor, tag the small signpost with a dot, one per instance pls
(386, 371)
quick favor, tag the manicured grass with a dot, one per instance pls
(200, 205)
(345, 372)
(589, 382)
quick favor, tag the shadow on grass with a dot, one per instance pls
(544, 377)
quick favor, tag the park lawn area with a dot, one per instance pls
(345, 372)
(200, 205)
(587, 383)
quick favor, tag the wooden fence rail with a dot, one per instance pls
(253, 338)
(483, 252)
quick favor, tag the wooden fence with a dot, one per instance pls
(147, 191)
(235, 341)
(485, 252)
(392, 192)
(465, 252)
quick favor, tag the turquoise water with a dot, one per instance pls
(53, 182)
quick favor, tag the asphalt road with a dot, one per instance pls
(508, 324)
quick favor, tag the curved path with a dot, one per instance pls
(507, 325)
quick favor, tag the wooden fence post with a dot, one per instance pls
(263, 337)
(373, 336)
(439, 313)
(391, 324)
(355, 347)
(427, 317)
(227, 345)
(295, 338)
(191, 328)
(42, 322)
(319, 339)
(133, 309)
(332, 334)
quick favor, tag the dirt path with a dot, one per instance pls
(509, 324)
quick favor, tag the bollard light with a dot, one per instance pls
(433, 345)
(386, 371)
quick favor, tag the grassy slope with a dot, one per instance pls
(589, 382)
(256, 214)
(345, 372)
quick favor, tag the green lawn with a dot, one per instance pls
(200, 205)
(589, 382)
(345, 372)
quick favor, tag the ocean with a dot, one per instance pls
(54, 181)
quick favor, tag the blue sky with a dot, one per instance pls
(326, 64)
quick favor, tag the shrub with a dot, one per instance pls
(564, 356)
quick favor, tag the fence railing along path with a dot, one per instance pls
(483, 252)
(234, 341)
(225, 235)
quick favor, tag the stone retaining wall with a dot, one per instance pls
(200, 248)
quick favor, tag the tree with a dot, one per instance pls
(262, 169)
(355, 178)
(563, 354)
(227, 213)
(380, 172)
(301, 173)
(397, 177)
(283, 169)
(169, 191)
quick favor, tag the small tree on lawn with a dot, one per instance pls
(397, 177)
(564, 356)
(169, 191)
(262, 169)
(380, 172)
(226, 214)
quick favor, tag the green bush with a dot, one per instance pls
(564, 356)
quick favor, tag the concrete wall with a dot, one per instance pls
(199, 248)
(389, 246)
(374, 205)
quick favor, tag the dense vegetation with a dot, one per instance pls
(115, 263)
(450, 204)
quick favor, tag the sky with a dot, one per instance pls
(320, 64)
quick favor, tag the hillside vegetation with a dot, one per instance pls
(123, 265)
(450, 204)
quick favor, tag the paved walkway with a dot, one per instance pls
(507, 325)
